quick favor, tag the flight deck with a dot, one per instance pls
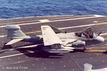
(34, 60)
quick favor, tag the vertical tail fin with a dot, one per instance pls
(14, 32)
(87, 67)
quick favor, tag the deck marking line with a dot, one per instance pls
(52, 21)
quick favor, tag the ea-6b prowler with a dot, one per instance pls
(53, 40)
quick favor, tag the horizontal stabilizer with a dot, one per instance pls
(13, 41)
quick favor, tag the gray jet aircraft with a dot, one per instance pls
(53, 39)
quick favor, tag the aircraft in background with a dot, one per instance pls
(89, 34)
(88, 67)
(53, 40)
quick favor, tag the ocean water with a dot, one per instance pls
(22, 8)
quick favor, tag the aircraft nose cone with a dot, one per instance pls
(99, 38)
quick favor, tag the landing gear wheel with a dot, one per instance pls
(84, 48)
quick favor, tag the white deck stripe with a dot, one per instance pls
(53, 21)
(79, 26)
(2, 36)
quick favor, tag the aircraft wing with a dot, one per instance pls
(49, 36)
(72, 37)
(13, 41)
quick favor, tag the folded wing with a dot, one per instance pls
(49, 36)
